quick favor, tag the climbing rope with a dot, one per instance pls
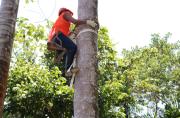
(87, 30)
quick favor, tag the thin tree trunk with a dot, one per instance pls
(8, 15)
(156, 109)
(85, 96)
(126, 106)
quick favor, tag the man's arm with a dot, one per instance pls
(67, 16)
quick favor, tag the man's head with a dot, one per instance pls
(61, 10)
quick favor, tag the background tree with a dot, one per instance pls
(155, 67)
(8, 15)
(144, 78)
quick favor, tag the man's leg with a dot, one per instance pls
(71, 48)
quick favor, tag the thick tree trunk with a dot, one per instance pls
(85, 96)
(8, 15)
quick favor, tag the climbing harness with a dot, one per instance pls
(70, 73)
(53, 46)
(87, 30)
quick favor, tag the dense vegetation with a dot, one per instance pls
(143, 83)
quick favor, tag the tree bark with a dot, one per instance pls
(8, 15)
(86, 94)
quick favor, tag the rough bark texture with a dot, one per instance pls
(8, 15)
(86, 94)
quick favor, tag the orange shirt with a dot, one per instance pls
(61, 25)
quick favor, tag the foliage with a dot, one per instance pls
(155, 69)
(34, 90)
(110, 88)
(172, 112)
(28, 1)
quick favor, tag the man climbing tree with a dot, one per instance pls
(85, 96)
(8, 15)
(60, 41)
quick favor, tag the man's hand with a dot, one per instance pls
(72, 36)
(91, 23)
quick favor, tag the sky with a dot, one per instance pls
(130, 22)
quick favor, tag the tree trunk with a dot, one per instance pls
(8, 15)
(126, 106)
(156, 108)
(86, 94)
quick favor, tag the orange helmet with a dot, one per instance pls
(63, 10)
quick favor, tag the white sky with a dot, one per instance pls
(130, 22)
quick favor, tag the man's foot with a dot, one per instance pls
(70, 73)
